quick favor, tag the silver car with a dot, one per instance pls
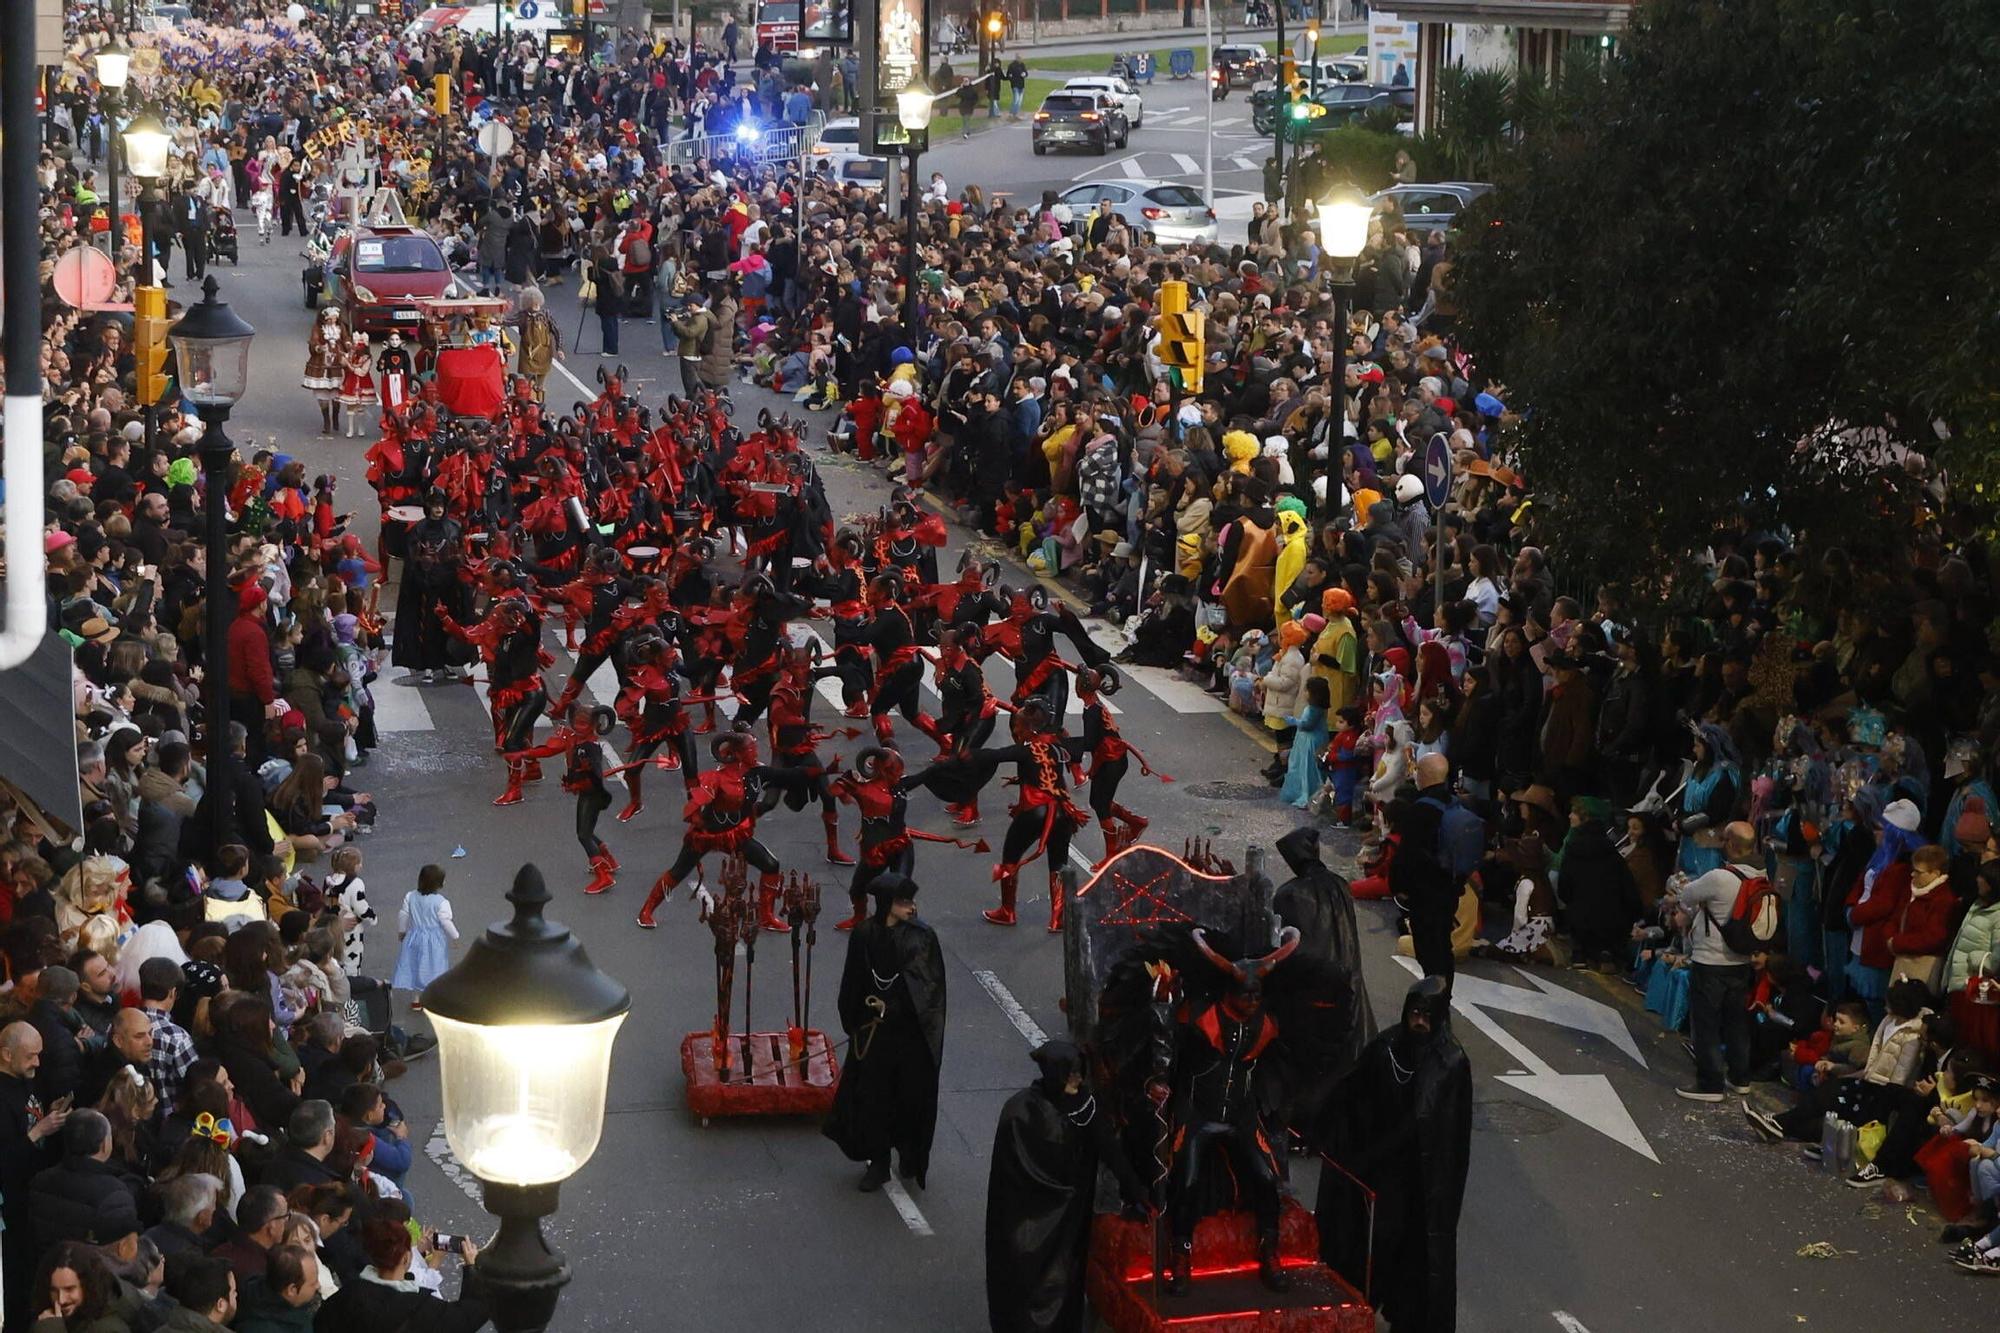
(1431, 205)
(1175, 213)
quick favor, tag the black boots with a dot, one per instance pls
(1180, 1261)
(875, 1177)
(1268, 1266)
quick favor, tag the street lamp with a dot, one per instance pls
(1312, 54)
(114, 66)
(913, 109)
(147, 144)
(1343, 233)
(212, 353)
(524, 1026)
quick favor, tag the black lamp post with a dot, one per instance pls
(913, 109)
(212, 352)
(114, 66)
(524, 1025)
(147, 144)
(1343, 233)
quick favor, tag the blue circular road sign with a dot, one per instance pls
(1437, 471)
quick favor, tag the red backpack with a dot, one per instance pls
(1754, 920)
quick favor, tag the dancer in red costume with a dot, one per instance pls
(795, 741)
(967, 707)
(1045, 818)
(584, 771)
(509, 639)
(1108, 763)
(899, 667)
(654, 708)
(888, 846)
(721, 815)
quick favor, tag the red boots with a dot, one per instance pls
(769, 888)
(834, 855)
(860, 901)
(966, 815)
(661, 888)
(1056, 903)
(1010, 884)
(512, 796)
(603, 871)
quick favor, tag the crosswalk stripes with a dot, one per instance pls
(999, 678)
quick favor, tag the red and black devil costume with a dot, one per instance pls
(721, 815)
(584, 771)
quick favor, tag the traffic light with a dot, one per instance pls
(149, 342)
(441, 94)
(1305, 110)
(1180, 335)
(996, 24)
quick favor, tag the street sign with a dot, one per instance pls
(1588, 1099)
(527, 9)
(85, 277)
(1437, 470)
(495, 139)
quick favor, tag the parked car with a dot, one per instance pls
(1244, 64)
(1341, 101)
(1128, 97)
(378, 273)
(839, 135)
(1080, 120)
(860, 169)
(1175, 213)
(1432, 205)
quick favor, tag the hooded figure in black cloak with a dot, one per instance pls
(1316, 902)
(1041, 1194)
(1402, 1123)
(430, 585)
(892, 1009)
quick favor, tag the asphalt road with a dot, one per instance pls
(1598, 1200)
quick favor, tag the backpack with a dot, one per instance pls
(1754, 920)
(1461, 838)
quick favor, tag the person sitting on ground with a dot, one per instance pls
(1867, 1093)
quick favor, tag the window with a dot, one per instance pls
(841, 134)
(397, 254)
(1069, 103)
(778, 13)
(1083, 196)
(1420, 202)
(1175, 196)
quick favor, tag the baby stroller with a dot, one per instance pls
(222, 235)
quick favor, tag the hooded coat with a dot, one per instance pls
(1041, 1194)
(1402, 1123)
(1316, 901)
(889, 1086)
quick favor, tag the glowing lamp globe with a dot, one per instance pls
(913, 107)
(212, 349)
(525, 1026)
(114, 64)
(1343, 220)
(147, 144)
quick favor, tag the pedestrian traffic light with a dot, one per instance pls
(1305, 110)
(1180, 335)
(149, 342)
(441, 94)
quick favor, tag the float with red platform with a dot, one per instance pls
(1224, 1293)
(762, 1078)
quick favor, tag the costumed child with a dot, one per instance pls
(357, 383)
(1302, 771)
(425, 927)
(348, 894)
(393, 368)
(325, 347)
(1344, 762)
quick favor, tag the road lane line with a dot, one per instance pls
(439, 1151)
(906, 1208)
(400, 707)
(1570, 1323)
(582, 388)
(1187, 164)
(1023, 1022)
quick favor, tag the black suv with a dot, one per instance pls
(1080, 120)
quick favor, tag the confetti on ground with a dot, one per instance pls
(457, 852)
(1914, 1218)
(1823, 1249)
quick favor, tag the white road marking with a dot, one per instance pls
(906, 1208)
(439, 1151)
(1083, 863)
(1587, 1098)
(1088, 172)
(1130, 166)
(400, 707)
(1242, 163)
(1222, 121)
(1023, 1022)
(1187, 165)
(581, 387)
(1569, 1322)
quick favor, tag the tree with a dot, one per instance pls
(1762, 217)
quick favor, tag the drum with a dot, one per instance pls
(403, 513)
(642, 556)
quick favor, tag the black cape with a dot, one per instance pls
(1316, 901)
(888, 1090)
(1402, 1123)
(1040, 1196)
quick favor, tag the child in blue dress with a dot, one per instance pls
(1302, 775)
(425, 926)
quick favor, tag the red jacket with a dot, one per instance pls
(250, 659)
(1876, 919)
(1926, 922)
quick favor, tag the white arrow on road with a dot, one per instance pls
(1587, 1098)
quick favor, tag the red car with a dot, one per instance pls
(379, 273)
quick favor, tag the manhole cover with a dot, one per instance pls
(1502, 1115)
(1232, 791)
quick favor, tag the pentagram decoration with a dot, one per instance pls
(1135, 896)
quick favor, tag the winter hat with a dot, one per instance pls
(251, 597)
(180, 472)
(1313, 621)
(1973, 826)
(1903, 815)
(345, 626)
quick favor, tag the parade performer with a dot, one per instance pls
(652, 706)
(836, 578)
(795, 742)
(394, 370)
(892, 1007)
(1028, 637)
(1108, 763)
(967, 707)
(1045, 818)
(584, 771)
(509, 640)
(899, 668)
(721, 815)
(885, 846)
(1041, 1193)
(596, 596)
(1403, 1120)
(430, 590)
(357, 383)
(326, 349)
(1316, 903)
